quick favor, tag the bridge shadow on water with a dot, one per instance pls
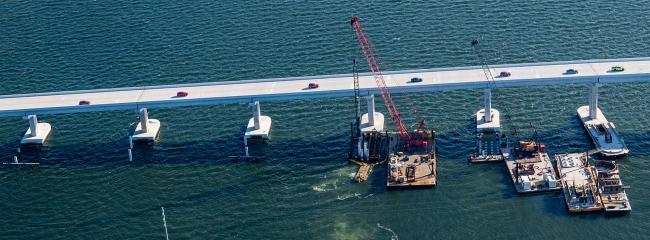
(217, 151)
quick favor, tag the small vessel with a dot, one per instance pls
(610, 187)
(530, 167)
(415, 166)
(363, 171)
(607, 140)
(579, 182)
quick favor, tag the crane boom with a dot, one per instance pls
(484, 63)
(368, 52)
(488, 75)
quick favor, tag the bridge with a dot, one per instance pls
(254, 91)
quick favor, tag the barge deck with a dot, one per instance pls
(579, 182)
(607, 140)
(530, 168)
(488, 148)
(412, 166)
(611, 189)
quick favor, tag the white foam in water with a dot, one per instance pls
(323, 187)
(394, 236)
(346, 196)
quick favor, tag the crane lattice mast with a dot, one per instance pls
(368, 51)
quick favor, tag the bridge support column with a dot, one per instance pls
(593, 100)
(37, 132)
(488, 119)
(147, 129)
(372, 120)
(259, 126)
(371, 110)
(488, 105)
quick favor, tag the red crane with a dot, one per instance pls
(369, 53)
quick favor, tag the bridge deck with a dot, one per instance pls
(636, 69)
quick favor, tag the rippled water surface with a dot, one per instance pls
(300, 186)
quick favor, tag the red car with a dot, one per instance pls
(84, 102)
(504, 74)
(312, 85)
(181, 94)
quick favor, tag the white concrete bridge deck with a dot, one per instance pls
(636, 69)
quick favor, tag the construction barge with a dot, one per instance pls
(488, 148)
(607, 140)
(412, 165)
(530, 167)
(579, 182)
(610, 188)
(368, 148)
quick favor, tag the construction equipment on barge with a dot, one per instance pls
(414, 166)
(530, 167)
(488, 147)
(579, 182)
(611, 189)
(412, 154)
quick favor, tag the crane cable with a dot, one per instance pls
(409, 101)
(492, 83)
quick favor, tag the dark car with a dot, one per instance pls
(84, 102)
(571, 71)
(504, 74)
(312, 85)
(416, 79)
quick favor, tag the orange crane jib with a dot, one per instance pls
(368, 51)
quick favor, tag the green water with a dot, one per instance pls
(300, 186)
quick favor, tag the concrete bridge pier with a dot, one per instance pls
(37, 132)
(593, 100)
(259, 126)
(147, 129)
(372, 120)
(490, 119)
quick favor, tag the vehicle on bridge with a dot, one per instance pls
(416, 80)
(617, 69)
(571, 71)
(504, 74)
(312, 85)
(181, 94)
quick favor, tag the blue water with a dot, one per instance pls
(300, 185)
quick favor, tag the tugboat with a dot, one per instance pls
(579, 181)
(610, 187)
